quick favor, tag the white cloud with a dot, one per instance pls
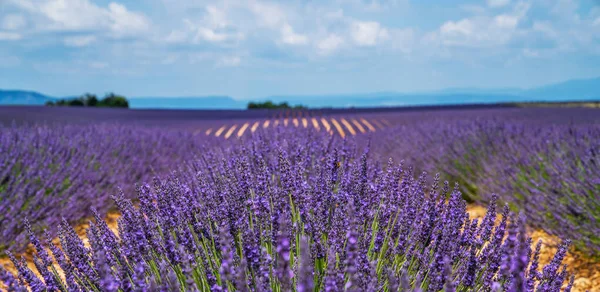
(288, 36)
(176, 36)
(273, 17)
(67, 14)
(520, 9)
(481, 31)
(368, 33)
(13, 22)
(9, 36)
(301, 30)
(125, 22)
(210, 35)
(329, 44)
(83, 15)
(267, 14)
(216, 17)
(546, 28)
(213, 27)
(463, 27)
(374, 5)
(506, 21)
(79, 41)
(498, 3)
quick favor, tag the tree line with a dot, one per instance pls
(91, 100)
(271, 105)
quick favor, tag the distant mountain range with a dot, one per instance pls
(21, 97)
(203, 102)
(571, 90)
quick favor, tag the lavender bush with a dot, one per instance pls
(550, 172)
(294, 211)
(53, 172)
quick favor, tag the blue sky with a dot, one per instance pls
(257, 48)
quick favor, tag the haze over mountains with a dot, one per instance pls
(22, 97)
(571, 90)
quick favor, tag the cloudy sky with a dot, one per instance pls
(257, 48)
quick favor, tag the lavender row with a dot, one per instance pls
(53, 172)
(550, 172)
(294, 211)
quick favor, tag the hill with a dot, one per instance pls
(577, 89)
(22, 97)
(571, 90)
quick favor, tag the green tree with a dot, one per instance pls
(113, 100)
(271, 105)
(76, 102)
(90, 99)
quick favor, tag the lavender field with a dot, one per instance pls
(306, 200)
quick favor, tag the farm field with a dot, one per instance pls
(358, 200)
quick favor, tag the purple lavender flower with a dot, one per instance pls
(283, 210)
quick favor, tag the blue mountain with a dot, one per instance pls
(571, 90)
(577, 89)
(22, 97)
